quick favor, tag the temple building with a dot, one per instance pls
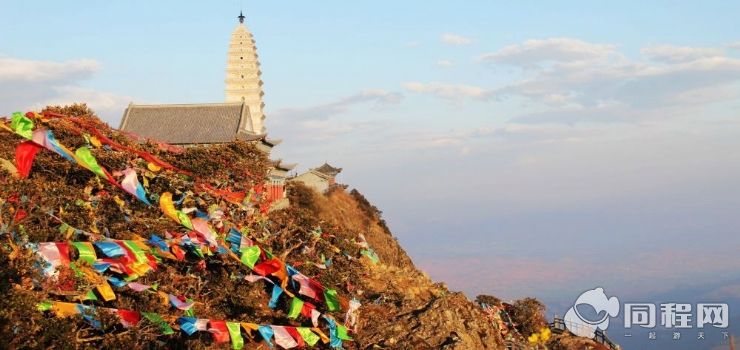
(320, 179)
(239, 118)
(194, 124)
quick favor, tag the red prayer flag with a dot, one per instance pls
(297, 336)
(179, 253)
(268, 267)
(219, 330)
(24, 155)
(20, 214)
(129, 318)
(307, 309)
(63, 248)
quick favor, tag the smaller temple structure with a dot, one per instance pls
(320, 179)
(275, 185)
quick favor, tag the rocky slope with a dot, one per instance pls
(338, 240)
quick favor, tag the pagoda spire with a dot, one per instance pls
(243, 77)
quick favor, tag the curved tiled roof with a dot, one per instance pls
(328, 170)
(190, 123)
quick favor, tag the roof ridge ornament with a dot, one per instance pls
(241, 17)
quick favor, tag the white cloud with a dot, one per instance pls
(379, 98)
(32, 84)
(579, 81)
(19, 70)
(455, 39)
(734, 46)
(445, 63)
(549, 50)
(674, 54)
(450, 92)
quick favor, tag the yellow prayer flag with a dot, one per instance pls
(153, 167)
(106, 291)
(64, 309)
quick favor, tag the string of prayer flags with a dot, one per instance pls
(285, 336)
(83, 156)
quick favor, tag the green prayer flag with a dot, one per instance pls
(158, 320)
(371, 255)
(140, 253)
(44, 306)
(184, 220)
(22, 125)
(237, 342)
(250, 255)
(198, 252)
(296, 305)
(342, 332)
(89, 161)
(332, 300)
(308, 336)
(87, 252)
(91, 295)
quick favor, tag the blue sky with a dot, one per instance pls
(554, 146)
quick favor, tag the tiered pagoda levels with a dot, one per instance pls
(243, 82)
